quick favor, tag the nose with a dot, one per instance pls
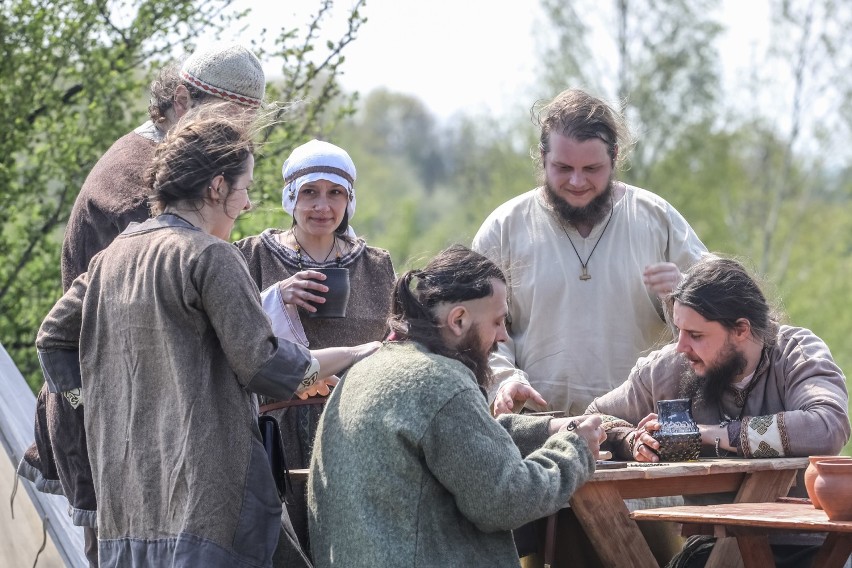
(321, 203)
(247, 206)
(577, 178)
(682, 342)
(502, 334)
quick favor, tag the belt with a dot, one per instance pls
(264, 408)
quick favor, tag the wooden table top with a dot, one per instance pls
(777, 516)
(702, 466)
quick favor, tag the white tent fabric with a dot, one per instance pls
(17, 412)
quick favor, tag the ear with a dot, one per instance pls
(742, 329)
(181, 101)
(218, 189)
(614, 154)
(457, 320)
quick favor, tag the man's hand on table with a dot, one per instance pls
(643, 446)
(514, 392)
(587, 427)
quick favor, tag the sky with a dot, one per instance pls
(467, 55)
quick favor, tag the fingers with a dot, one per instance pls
(536, 397)
(503, 404)
(297, 289)
(652, 416)
(661, 277)
(645, 447)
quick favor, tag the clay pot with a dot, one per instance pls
(678, 435)
(833, 487)
(811, 475)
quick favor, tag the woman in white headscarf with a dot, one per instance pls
(319, 193)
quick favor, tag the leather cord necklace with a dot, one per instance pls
(299, 248)
(584, 275)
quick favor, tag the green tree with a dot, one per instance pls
(73, 72)
(657, 57)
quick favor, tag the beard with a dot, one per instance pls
(710, 386)
(591, 214)
(474, 355)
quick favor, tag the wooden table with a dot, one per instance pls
(751, 524)
(600, 509)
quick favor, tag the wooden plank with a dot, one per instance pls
(601, 512)
(702, 466)
(685, 485)
(791, 517)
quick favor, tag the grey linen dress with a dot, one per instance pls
(172, 342)
(371, 278)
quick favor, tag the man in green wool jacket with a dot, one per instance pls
(409, 468)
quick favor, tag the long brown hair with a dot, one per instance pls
(205, 143)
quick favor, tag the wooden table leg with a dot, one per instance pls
(755, 551)
(606, 520)
(757, 487)
(835, 551)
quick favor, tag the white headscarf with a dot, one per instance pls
(314, 161)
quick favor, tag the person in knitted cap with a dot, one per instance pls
(114, 195)
(319, 193)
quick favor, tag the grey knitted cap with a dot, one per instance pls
(230, 72)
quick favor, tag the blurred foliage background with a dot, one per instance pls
(763, 175)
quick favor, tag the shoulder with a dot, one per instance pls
(643, 199)
(378, 258)
(420, 369)
(515, 206)
(799, 344)
(255, 242)
(501, 221)
(660, 365)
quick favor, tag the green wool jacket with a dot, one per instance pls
(410, 469)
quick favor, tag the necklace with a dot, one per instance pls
(299, 248)
(741, 396)
(584, 275)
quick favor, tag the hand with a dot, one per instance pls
(320, 387)
(296, 290)
(364, 350)
(590, 430)
(661, 277)
(504, 402)
(645, 447)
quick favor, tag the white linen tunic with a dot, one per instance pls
(577, 339)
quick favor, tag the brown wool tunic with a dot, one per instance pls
(371, 276)
(113, 196)
(172, 341)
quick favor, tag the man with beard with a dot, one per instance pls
(758, 389)
(586, 258)
(409, 468)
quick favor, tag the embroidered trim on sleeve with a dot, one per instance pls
(764, 437)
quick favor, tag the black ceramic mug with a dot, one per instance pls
(337, 297)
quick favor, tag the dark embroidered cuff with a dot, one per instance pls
(61, 369)
(281, 376)
(734, 429)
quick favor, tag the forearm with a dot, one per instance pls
(333, 360)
